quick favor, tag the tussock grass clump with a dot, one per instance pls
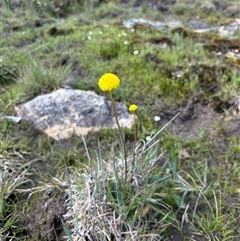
(13, 175)
(7, 74)
(39, 79)
(103, 206)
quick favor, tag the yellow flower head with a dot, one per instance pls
(133, 108)
(109, 82)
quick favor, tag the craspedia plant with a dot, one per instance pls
(109, 82)
(132, 108)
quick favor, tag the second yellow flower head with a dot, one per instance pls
(109, 82)
(133, 108)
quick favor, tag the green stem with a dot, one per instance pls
(120, 132)
(135, 141)
(135, 130)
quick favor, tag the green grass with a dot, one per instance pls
(186, 184)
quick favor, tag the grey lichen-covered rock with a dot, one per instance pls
(67, 111)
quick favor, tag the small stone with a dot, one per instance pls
(65, 112)
(13, 118)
